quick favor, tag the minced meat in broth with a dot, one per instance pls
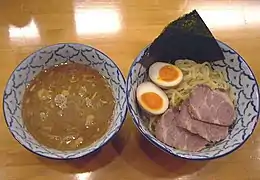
(68, 107)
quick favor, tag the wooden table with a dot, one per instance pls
(121, 28)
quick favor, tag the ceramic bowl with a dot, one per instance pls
(46, 58)
(243, 83)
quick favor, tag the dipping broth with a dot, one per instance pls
(68, 107)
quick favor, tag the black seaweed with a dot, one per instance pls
(185, 38)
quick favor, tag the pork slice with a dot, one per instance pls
(212, 106)
(210, 132)
(167, 131)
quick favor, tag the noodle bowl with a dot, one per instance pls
(239, 77)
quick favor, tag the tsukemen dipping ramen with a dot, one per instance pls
(68, 107)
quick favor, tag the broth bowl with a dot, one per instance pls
(48, 57)
(246, 90)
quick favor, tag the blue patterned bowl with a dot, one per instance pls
(48, 57)
(243, 83)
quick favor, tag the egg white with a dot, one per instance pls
(154, 75)
(150, 87)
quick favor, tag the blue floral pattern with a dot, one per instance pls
(246, 89)
(48, 57)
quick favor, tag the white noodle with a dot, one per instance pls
(193, 75)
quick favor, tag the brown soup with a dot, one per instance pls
(68, 107)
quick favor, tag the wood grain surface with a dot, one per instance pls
(121, 28)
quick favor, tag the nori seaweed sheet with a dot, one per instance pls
(185, 38)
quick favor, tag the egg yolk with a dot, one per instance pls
(168, 73)
(152, 100)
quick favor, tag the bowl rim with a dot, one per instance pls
(155, 143)
(83, 154)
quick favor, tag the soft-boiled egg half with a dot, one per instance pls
(165, 75)
(151, 98)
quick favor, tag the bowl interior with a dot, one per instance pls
(245, 87)
(48, 57)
